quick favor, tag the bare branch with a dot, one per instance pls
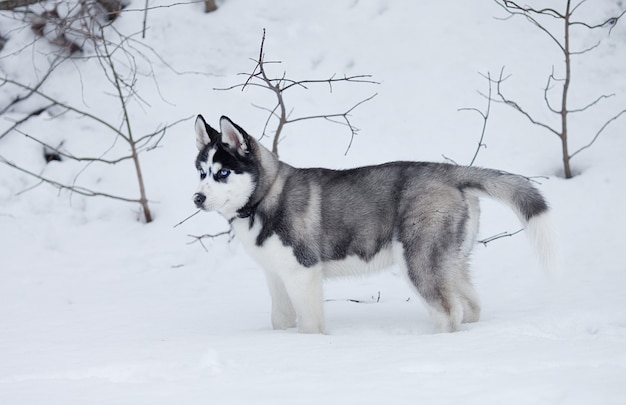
(515, 9)
(485, 117)
(499, 236)
(374, 300)
(169, 5)
(23, 120)
(119, 56)
(344, 116)
(576, 6)
(260, 78)
(272, 114)
(186, 219)
(449, 160)
(595, 138)
(331, 80)
(596, 101)
(545, 11)
(210, 236)
(520, 109)
(75, 189)
(66, 106)
(32, 89)
(72, 157)
(592, 47)
(532, 14)
(161, 130)
(328, 116)
(118, 84)
(242, 86)
(545, 92)
(612, 21)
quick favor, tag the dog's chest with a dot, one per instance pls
(272, 254)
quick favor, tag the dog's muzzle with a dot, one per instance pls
(199, 199)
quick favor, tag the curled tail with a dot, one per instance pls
(524, 199)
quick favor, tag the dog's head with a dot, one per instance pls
(228, 167)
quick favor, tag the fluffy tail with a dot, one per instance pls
(525, 200)
(541, 234)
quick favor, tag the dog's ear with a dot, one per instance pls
(234, 136)
(204, 133)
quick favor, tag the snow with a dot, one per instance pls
(97, 307)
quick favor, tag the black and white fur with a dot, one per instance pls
(304, 225)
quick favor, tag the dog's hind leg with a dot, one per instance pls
(444, 304)
(431, 251)
(437, 289)
(469, 297)
(283, 313)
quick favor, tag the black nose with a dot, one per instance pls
(199, 199)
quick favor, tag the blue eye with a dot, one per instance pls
(222, 174)
(202, 174)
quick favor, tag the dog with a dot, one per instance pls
(305, 225)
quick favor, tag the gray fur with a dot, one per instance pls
(427, 212)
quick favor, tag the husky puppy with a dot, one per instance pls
(304, 225)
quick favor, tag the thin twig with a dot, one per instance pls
(186, 219)
(499, 236)
(209, 236)
(75, 189)
(373, 300)
(67, 107)
(595, 138)
(331, 80)
(169, 5)
(485, 117)
(72, 157)
(145, 21)
(23, 120)
(345, 116)
(612, 21)
(514, 9)
(596, 101)
(547, 89)
(520, 109)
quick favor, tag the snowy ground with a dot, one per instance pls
(99, 308)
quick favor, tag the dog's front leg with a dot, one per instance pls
(283, 313)
(304, 286)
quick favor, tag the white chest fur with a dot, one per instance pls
(273, 255)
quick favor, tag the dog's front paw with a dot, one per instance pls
(311, 327)
(282, 321)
